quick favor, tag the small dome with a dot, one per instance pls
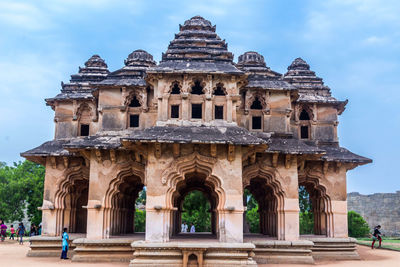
(299, 64)
(251, 58)
(96, 61)
(140, 58)
(197, 23)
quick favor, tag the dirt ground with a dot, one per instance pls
(12, 254)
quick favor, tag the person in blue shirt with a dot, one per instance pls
(65, 239)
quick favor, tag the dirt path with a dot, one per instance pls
(13, 255)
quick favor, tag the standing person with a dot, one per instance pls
(3, 231)
(183, 227)
(39, 230)
(12, 230)
(186, 227)
(65, 239)
(33, 230)
(192, 228)
(21, 233)
(377, 236)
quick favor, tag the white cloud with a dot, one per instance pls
(23, 15)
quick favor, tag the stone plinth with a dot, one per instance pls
(102, 250)
(175, 254)
(280, 251)
(334, 248)
(48, 246)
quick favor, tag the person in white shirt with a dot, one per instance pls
(184, 227)
(192, 229)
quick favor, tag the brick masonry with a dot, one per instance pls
(379, 208)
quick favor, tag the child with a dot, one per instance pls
(376, 236)
(12, 230)
(21, 233)
(3, 230)
(65, 239)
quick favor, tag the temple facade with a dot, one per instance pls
(197, 120)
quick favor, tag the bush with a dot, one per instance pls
(140, 220)
(253, 218)
(358, 227)
(306, 223)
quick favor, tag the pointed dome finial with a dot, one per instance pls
(299, 64)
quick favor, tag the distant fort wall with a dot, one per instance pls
(379, 208)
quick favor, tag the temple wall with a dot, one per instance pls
(378, 208)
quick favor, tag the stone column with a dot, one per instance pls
(288, 228)
(337, 222)
(208, 109)
(229, 109)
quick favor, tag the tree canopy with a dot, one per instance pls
(21, 188)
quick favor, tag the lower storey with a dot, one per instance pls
(190, 250)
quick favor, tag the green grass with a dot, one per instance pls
(386, 243)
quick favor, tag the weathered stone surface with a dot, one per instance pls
(378, 209)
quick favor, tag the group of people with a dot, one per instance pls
(20, 232)
(35, 230)
(184, 228)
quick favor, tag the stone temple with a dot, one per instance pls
(197, 120)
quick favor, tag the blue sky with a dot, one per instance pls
(354, 45)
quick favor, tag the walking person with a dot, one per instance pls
(12, 230)
(3, 231)
(377, 236)
(65, 239)
(21, 233)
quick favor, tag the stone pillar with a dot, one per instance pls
(229, 110)
(208, 109)
(231, 218)
(337, 222)
(164, 107)
(288, 228)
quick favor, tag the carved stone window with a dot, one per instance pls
(256, 104)
(219, 90)
(175, 111)
(134, 120)
(256, 123)
(197, 111)
(84, 130)
(197, 89)
(219, 112)
(134, 103)
(304, 132)
(176, 90)
(304, 115)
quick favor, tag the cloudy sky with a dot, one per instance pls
(354, 45)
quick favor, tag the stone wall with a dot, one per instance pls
(379, 208)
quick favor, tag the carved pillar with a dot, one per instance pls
(229, 109)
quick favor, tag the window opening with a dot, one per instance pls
(219, 112)
(219, 91)
(84, 129)
(256, 123)
(197, 89)
(134, 121)
(256, 104)
(175, 89)
(134, 103)
(304, 132)
(197, 111)
(175, 111)
(304, 115)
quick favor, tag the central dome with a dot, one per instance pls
(197, 40)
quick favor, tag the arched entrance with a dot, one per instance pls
(71, 201)
(315, 208)
(195, 182)
(267, 207)
(121, 205)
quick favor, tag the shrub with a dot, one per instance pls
(358, 227)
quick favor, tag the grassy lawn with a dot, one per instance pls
(391, 243)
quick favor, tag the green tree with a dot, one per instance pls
(252, 215)
(197, 211)
(306, 215)
(21, 187)
(358, 227)
(140, 220)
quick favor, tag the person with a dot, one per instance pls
(65, 239)
(192, 228)
(39, 230)
(21, 233)
(33, 230)
(377, 235)
(3, 231)
(184, 227)
(12, 230)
